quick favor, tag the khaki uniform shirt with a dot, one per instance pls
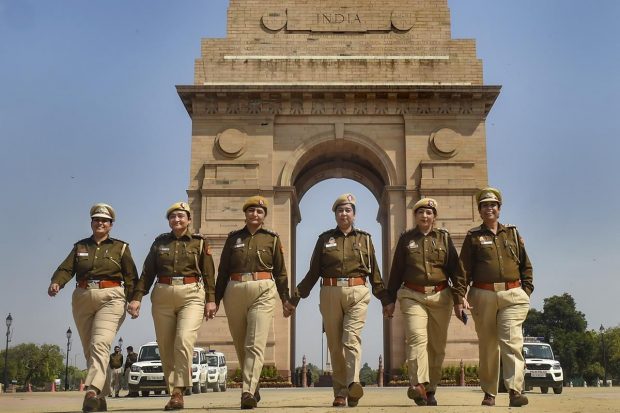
(338, 256)
(245, 253)
(116, 360)
(491, 258)
(170, 256)
(424, 260)
(110, 260)
(131, 358)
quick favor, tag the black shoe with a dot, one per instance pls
(248, 401)
(488, 400)
(430, 398)
(90, 403)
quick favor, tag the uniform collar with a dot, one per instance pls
(500, 228)
(339, 231)
(432, 232)
(108, 240)
(185, 235)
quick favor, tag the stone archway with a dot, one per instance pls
(298, 93)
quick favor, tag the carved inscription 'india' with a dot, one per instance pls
(338, 18)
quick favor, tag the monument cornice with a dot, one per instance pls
(338, 99)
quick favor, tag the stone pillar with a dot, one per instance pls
(380, 372)
(462, 380)
(304, 372)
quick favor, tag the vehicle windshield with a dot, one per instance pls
(195, 359)
(149, 353)
(212, 361)
(537, 351)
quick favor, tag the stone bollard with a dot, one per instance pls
(304, 372)
(380, 372)
(462, 378)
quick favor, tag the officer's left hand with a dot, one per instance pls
(53, 289)
(287, 308)
(210, 310)
(388, 310)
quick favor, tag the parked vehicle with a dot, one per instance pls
(146, 374)
(217, 371)
(541, 368)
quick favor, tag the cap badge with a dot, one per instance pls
(349, 197)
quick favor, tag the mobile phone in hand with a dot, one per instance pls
(463, 317)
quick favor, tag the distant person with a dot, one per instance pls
(105, 275)
(424, 260)
(131, 358)
(116, 365)
(500, 273)
(344, 258)
(181, 267)
(251, 274)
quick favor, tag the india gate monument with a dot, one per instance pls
(302, 91)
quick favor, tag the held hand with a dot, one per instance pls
(133, 308)
(210, 310)
(53, 289)
(388, 310)
(287, 309)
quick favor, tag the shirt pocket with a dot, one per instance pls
(413, 254)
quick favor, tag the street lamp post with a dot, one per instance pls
(9, 321)
(602, 330)
(67, 365)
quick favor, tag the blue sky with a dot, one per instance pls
(89, 113)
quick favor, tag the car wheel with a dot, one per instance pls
(145, 393)
(188, 391)
(196, 388)
(223, 386)
(159, 392)
(203, 388)
(544, 390)
(558, 390)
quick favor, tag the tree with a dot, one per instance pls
(368, 375)
(37, 365)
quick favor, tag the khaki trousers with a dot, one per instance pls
(249, 308)
(98, 314)
(178, 311)
(426, 317)
(499, 318)
(344, 315)
(116, 381)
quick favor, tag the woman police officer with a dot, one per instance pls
(106, 276)
(344, 258)
(181, 265)
(424, 260)
(251, 269)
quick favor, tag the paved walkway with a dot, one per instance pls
(376, 400)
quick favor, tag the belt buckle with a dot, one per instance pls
(91, 284)
(499, 287)
(176, 281)
(247, 276)
(342, 282)
(429, 289)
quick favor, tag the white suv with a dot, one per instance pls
(218, 371)
(146, 374)
(541, 368)
(199, 370)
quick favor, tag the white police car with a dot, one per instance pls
(541, 368)
(146, 374)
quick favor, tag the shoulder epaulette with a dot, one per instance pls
(82, 241)
(407, 231)
(362, 231)
(329, 231)
(269, 231)
(510, 226)
(475, 229)
(199, 236)
(442, 230)
(235, 231)
(162, 236)
(119, 240)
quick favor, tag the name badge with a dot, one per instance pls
(164, 249)
(238, 243)
(486, 242)
(330, 245)
(82, 254)
(413, 245)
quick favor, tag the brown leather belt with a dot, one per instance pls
(250, 276)
(427, 289)
(343, 281)
(90, 284)
(180, 280)
(497, 286)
